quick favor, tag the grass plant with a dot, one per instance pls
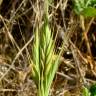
(44, 66)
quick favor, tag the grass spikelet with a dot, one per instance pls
(44, 65)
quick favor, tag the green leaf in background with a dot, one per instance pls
(78, 5)
(93, 3)
(85, 7)
(89, 12)
(85, 92)
(93, 90)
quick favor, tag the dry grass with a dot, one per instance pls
(18, 20)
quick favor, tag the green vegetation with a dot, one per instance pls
(44, 62)
(85, 7)
(86, 91)
(93, 90)
(89, 92)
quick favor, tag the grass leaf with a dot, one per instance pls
(89, 12)
(85, 92)
(93, 90)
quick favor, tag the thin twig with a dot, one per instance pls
(18, 54)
